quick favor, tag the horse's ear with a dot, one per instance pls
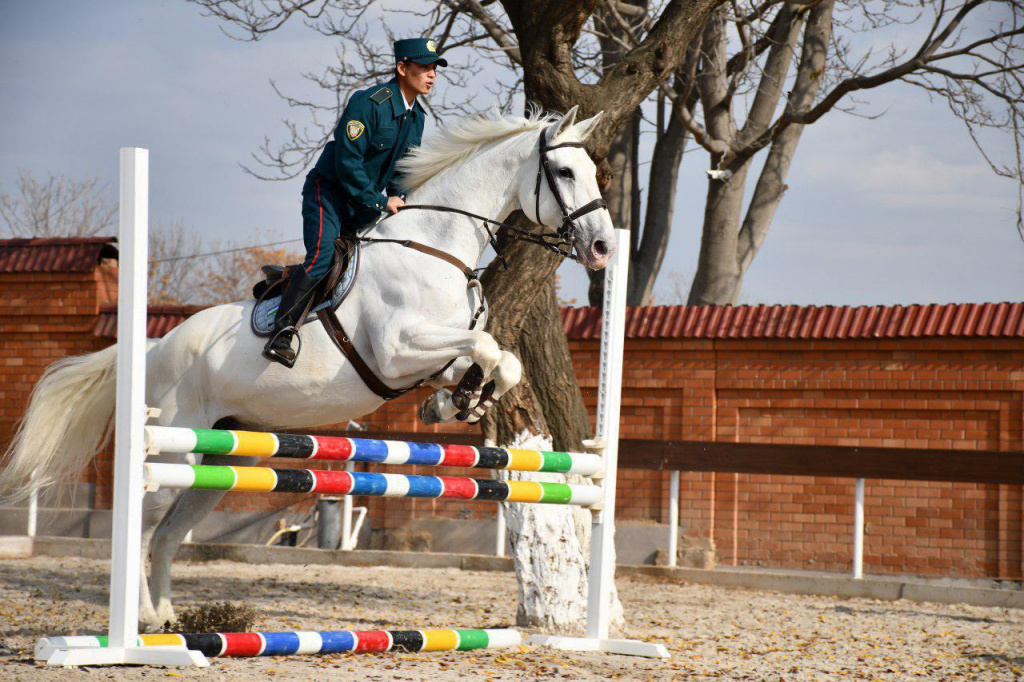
(585, 128)
(565, 124)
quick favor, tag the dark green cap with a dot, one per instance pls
(419, 50)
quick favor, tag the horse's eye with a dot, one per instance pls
(566, 173)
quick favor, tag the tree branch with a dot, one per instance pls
(491, 25)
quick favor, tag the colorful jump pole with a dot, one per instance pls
(249, 644)
(261, 479)
(169, 439)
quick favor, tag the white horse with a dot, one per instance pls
(408, 314)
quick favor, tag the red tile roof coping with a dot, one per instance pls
(806, 322)
(1004, 320)
(72, 254)
(161, 319)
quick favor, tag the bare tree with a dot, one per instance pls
(174, 277)
(541, 41)
(183, 269)
(237, 270)
(764, 70)
(769, 67)
(790, 68)
(57, 207)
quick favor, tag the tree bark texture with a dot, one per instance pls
(548, 29)
(646, 262)
(619, 196)
(550, 543)
(718, 275)
(523, 306)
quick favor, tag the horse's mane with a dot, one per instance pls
(456, 143)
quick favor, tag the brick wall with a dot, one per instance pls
(951, 392)
(915, 393)
(918, 393)
(47, 316)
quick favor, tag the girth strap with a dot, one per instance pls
(337, 333)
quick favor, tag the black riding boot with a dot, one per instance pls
(293, 303)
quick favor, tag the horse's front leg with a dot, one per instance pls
(441, 406)
(508, 373)
(410, 350)
(416, 348)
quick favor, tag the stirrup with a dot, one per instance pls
(276, 355)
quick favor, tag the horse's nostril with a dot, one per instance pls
(601, 247)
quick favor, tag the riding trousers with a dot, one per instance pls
(323, 220)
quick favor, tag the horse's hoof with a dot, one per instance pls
(430, 411)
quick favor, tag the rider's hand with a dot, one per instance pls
(394, 203)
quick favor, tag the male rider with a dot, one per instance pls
(352, 182)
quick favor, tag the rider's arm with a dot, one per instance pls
(352, 140)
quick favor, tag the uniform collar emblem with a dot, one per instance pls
(354, 129)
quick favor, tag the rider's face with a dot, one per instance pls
(417, 77)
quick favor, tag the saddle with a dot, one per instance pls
(328, 294)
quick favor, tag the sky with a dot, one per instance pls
(897, 210)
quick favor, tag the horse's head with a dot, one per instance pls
(564, 196)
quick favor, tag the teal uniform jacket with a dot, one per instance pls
(375, 131)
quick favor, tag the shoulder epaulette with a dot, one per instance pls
(381, 96)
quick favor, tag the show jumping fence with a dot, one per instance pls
(132, 477)
(265, 480)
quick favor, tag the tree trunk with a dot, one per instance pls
(661, 198)
(550, 543)
(718, 277)
(727, 248)
(621, 192)
(546, 33)
(771, 184)
(619, 196)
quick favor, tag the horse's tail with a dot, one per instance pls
(67, 422)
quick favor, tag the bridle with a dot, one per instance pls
(560, 241)
(567, 230)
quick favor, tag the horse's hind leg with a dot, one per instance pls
(155, 506)
(188, 510)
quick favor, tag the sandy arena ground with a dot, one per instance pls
(711, 631)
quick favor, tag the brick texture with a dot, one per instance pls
(942, 393)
